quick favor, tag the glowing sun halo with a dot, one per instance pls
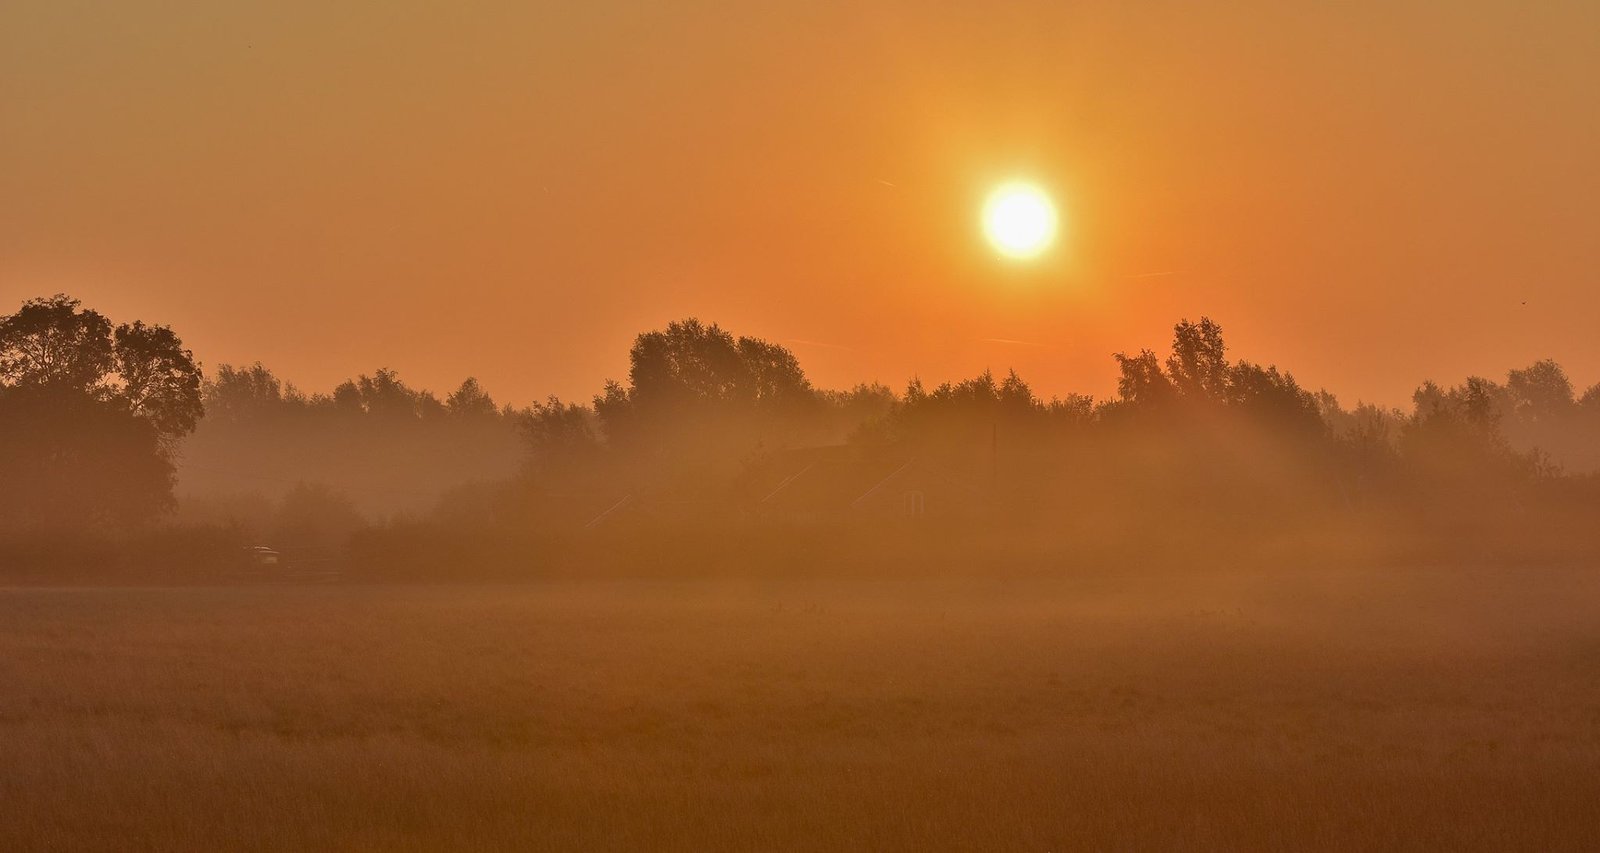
(1019, 220)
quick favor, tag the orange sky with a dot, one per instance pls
(1365, 193)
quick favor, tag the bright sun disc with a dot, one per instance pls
(1019, 220)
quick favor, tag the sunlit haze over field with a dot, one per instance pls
(800, 425)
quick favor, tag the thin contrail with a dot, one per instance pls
(805, 342)
(1155, 274)
(1012, 342)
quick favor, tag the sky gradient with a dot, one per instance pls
(1369, 194)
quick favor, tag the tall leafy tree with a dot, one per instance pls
(160, 380)
(692, 372)
(1540, 392)
(89, 414)
(1198, 365)
(54, 342)
(1141, 382)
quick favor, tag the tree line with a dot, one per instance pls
(98, 420)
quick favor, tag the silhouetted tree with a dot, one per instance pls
(470, 400)
(775, 380)
(1198, 366)
(685, 365)
(1266, 396)
(52, 343)
(1590, 401)
(1454, 437)
(237, 393)
(160, 379)
(384, 395)
(1540, 392)
(1141, 384)
(89, 414)
(691, 378)
(560, 435)
(855, 413)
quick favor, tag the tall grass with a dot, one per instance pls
(1402, 709)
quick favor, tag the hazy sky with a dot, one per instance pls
(1366, 193)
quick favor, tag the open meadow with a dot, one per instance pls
(1408, 709)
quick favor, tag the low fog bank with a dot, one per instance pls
(716, 456)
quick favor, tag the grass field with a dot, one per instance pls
(1398, 710)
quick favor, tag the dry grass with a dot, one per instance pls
(1421, 710)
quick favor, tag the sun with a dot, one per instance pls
(1019, 220)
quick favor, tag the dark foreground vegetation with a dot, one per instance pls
(1399, 709)
(716, 456)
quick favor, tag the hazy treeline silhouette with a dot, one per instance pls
(385, 446)
(717, 450)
